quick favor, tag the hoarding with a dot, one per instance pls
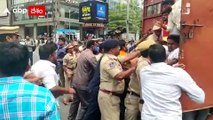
(93, 12)
(101, 11)
(85, 12)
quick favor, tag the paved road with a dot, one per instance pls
(64, 110)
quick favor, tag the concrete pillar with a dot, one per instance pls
(21, 31)
(97, 32)
(34, 31)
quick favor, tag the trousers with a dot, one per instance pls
(109, 106)
(81, 96)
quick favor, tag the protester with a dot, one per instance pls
(173, 44)
(162, 87)
(61, 52)
(45, 68)
(19, 98)
(31, 47)
(84, 72)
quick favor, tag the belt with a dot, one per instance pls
(111, 93)
(133, 93)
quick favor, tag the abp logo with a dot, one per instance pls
(36, 10)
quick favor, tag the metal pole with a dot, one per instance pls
(55, 19)
(127, 21)
(69, 24)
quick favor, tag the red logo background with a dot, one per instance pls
(36, 10)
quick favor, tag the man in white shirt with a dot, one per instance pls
(45, 68)
(162, 86)
(30, 46)
(173, 49)
(174, 18)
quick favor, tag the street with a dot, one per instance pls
(64, 110)
(152, 67)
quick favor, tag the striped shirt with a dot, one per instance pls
(21, 100)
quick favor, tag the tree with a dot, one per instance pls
(135, 16)
(117, 16)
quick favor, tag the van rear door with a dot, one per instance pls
(197, 48)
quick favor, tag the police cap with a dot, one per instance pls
(157, 26)
(110, 44)
(9, 29)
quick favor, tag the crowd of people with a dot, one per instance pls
(103, 81)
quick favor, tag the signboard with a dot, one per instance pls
(66, 31)
(86, 12)
(93, 12)
(3, 8)
(93, 25)
(101, 11)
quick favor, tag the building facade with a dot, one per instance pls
(61, 16)
(5, 16)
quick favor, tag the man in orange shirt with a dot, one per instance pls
(123, 48)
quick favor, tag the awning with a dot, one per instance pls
(66, 31)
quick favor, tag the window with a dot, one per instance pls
(22, 1)
(153, 10)
(67, 12)
(49, 11)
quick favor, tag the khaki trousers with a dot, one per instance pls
(109, 106)
(133, 107)
(67, 85)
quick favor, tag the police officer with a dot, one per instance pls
(155, 37)
(132, 101)
(9, 34)
(76, 51)
(111, 81)
(69, 64)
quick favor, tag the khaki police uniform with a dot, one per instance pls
(132, 100)
(110, 88)
(151, 39)
(70, 62)
(98, 57)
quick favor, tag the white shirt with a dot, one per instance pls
(46, 70)
(174, 18)
(29, 43)
(161, 89)
(174, 54)
(167, 50)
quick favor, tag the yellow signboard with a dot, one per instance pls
(86, 13)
